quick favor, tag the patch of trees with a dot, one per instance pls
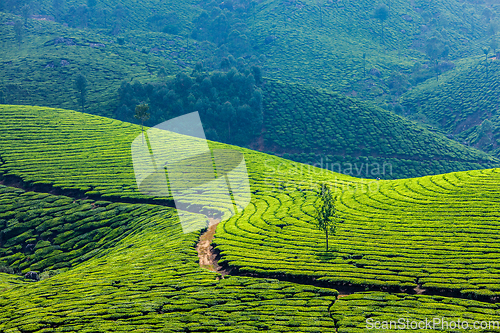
(169, 23)
(223, 23)
(229, 103)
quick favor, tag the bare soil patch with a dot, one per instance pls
(208, 257)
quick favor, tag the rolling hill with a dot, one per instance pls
(344, 135)
(463, 103)
(316, 43)
(43, 69)
(437, 234)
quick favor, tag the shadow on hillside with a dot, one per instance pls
(326, 256)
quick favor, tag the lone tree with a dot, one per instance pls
(142, 114)
(81, 88)
(382, 14)
(486, 51)
(325, 213)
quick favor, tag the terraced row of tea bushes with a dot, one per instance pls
(9, 281)
(42, 70)
(301, 120)
(74, 151)
(464, 102)
(360, 312)
(151, 281)
(440, 232)
(40, 232)
(68, 150)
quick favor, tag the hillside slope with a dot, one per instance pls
(42, 70)
(437, 233)
(313, 42)
(344, 135)
(149, 280)
(464, 103)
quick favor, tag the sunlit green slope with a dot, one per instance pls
(408, 151)
(438, 233)
(148, 280)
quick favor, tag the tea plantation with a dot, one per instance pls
(464, 103)
(436, 232)
(109, 266)
(344, 135)
(148, 280)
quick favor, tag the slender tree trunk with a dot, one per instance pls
(142, 130)
(326, 233)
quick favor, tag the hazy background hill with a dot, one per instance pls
(464, 103)
(364, 48)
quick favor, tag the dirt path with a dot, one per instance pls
(208, 258)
